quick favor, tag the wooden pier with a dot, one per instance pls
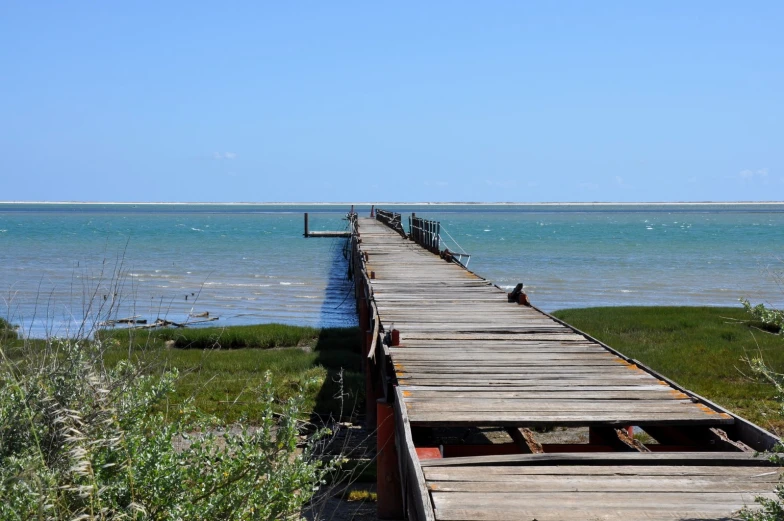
(323, 234)
(461, 378)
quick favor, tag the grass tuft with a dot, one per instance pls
(361, 495)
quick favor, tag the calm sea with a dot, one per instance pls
(250, 264)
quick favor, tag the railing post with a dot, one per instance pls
(390, 496)
(363, 319)
(371, 395)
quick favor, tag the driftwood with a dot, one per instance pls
(129, 320)
(160, 322)
(210, 319)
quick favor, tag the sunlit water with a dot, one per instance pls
(250, 263)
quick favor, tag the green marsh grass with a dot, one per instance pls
(220, 368)
(701, 348)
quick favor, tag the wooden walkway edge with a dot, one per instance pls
(472, 377)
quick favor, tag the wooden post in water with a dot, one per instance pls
(306, 224)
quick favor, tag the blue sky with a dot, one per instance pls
(414, 101)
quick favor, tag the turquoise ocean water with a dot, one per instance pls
(250, 263)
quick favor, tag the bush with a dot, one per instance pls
(772, 319)
(7, 331)
(80, 441)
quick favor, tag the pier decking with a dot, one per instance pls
(450, 354)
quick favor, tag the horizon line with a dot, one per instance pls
(398, 203)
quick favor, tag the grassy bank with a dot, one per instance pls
(221, 368)
(701, 348)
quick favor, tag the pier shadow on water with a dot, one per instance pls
(338, 346)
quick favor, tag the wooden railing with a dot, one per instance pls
(378, 375)
(425, 233)
(391, 219)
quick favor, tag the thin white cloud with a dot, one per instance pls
(218, 156)
(748, 174)
(500, 184)
(619, 180)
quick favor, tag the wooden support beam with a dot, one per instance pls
(627, 438)
(618, 439)
(371, 384)
(707, 438)
(723, 442)
(388, 486)
(525, 439)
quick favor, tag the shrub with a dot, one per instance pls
(80, 441)
(772, 320)
(771, 509)
(7, 331)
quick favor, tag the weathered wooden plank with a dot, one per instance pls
(594, 512)
(635, 500)
(761, 474)
(535, 351)
(414, 485)
(446, 370)
(446, 348)
(405, 336)
(518, 379)
(577, 514)
(521, 364)
(608, 484)
(557, 388)
(545, 397)
(525, 406)
(565, 419)
(739, 459)
(414, 380)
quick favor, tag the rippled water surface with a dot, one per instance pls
(250, 263)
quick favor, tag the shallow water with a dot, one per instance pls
(250, 263)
